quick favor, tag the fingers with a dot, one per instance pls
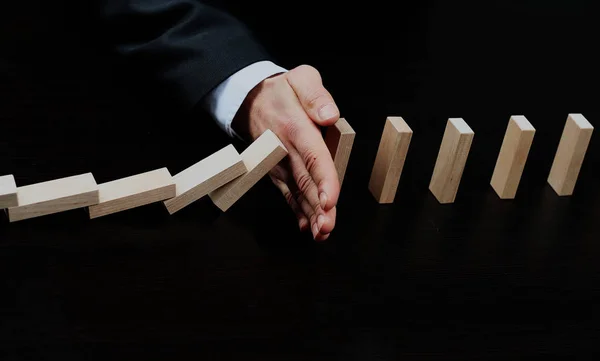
(304, 211)
(294, 106)
(280, 179)
(312, 166)
(315, 99)
(328, 225)
(309, 193)
(323, 222)
(329, 222)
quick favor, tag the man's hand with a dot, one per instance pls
(293, 105)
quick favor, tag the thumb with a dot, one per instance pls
(315, 99)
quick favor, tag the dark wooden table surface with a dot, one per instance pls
(481, 278)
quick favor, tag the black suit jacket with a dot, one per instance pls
(186, 46)
(66, 100)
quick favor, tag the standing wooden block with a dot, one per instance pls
(570, 154)
(55, 196)
(513, 156)
(132, 192)
(339, 139)
(8, 192)
(390, 158)
(205, 176)
(260, 157)
(451, 160)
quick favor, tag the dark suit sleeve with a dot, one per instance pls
(187, 47)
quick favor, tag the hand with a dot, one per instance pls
(293, 105)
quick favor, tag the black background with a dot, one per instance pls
(481, 278)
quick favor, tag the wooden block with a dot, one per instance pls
(389, 161)
(8, 192)
(570, 154)
(205, 176)
(451, 160)
(55, 196)
(260, 157)
(513, 156)
(135, 191)
(339, 139)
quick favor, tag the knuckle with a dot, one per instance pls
(305, 182)
(305, 71)
(289, 198)
(307, 209)
(310, 160)
(316, 96)
(305, 68)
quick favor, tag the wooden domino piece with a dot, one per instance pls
(513, 156)
(390, 158)
(134, 191)
(451, 160)
(260, 157)
(340, 139)
(55, 196)
(570, 154)
(205, 176)
(8, 192)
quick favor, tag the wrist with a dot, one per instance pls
(241, 123)
(225, 101)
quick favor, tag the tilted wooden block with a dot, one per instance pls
(451, 160)
(570, 154)
(513, 156)
(55, 196)
(205, 176)
(8, 192)
(260, 157)
(340, 139)
(390, 158)
(135, 191)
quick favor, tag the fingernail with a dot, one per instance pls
(315, 230)
(327, 112)
(303, 223)
(323, 199)
(320, 222)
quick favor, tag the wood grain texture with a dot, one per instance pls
(339, 140)
(570, 154)
(205, 176)
(389, 162)
(134, 191)
(260, 157)
(451, 160)
(8, 192)
(55, 196)
(512, 157)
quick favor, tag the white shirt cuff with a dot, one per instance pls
(224, 101)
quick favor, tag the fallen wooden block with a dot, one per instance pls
(451, 160)
(513, 156)
(260, 157)
(390, 158)
(340, 139)
(131, 192)
(8, 192)
(205, 176)
(55, 196)
(570, 154)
